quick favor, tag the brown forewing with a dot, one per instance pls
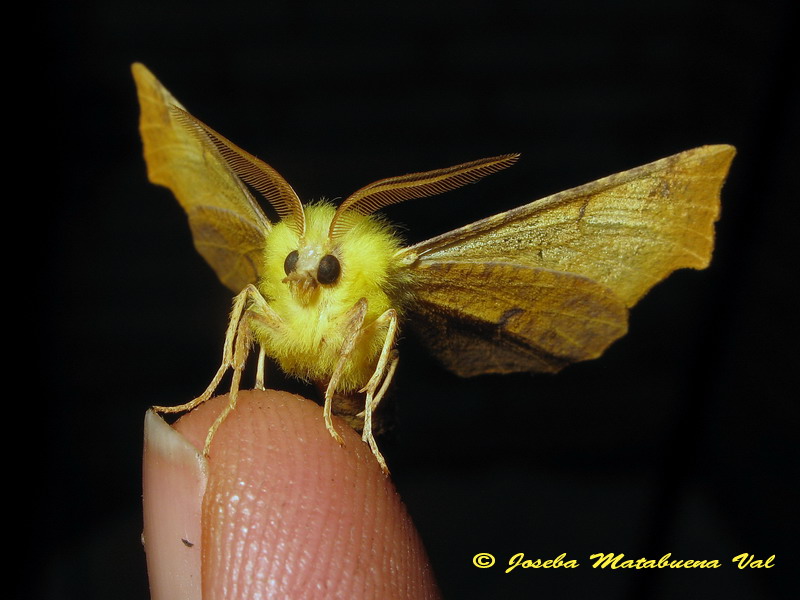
(547, 284)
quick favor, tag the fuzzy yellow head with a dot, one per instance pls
(312, 282)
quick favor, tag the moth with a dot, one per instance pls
(324, 290)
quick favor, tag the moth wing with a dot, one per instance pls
(502, 318)
(627, 231)
(549, 283)
(228, 226)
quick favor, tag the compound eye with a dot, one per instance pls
(328, 270)
(290, 263)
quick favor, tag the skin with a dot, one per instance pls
(278, 509)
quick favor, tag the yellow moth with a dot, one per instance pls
(324, 290)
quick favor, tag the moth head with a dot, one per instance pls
(309, 269)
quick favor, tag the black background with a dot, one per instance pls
(681, 439)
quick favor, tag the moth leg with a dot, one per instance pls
(390, 317)
(244, 340)
(354, 321)
(248, 305)
(260, 368)
(369, 408)
(384, 372)
(394, 359)
(239, 303)
(257, 310)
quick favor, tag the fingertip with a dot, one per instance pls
(288, 511)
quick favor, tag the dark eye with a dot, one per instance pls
(328, 270)
(291, 261)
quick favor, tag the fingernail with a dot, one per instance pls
(174, 481)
